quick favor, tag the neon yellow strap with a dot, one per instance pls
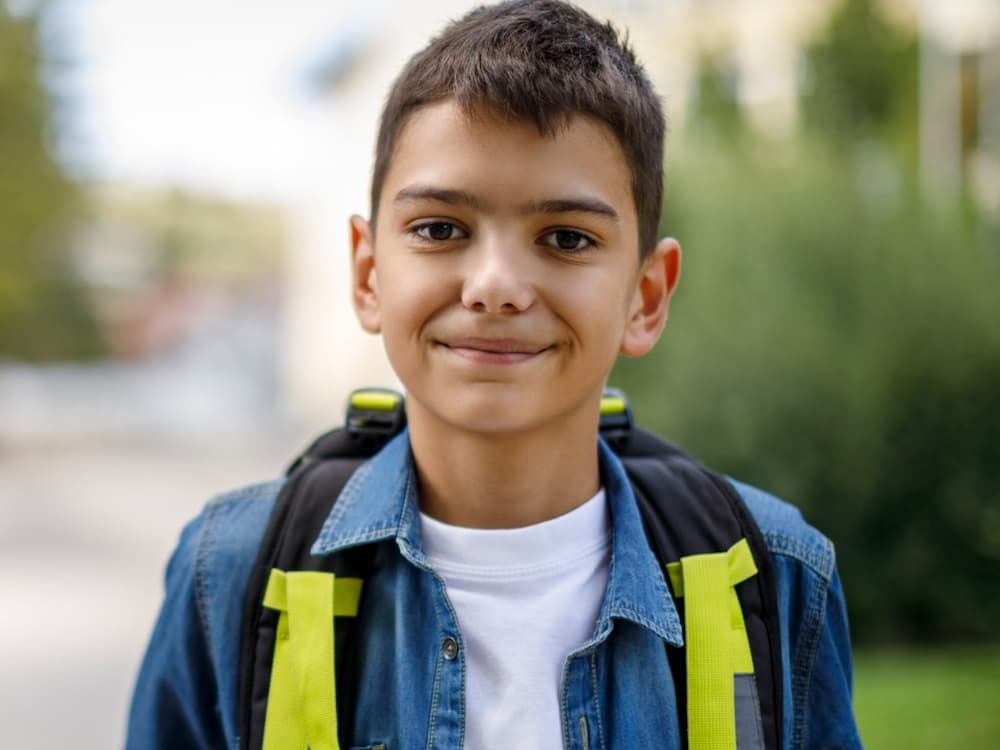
(302, 699)
(346, 592)
(713, 619)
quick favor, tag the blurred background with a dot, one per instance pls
(175, 179)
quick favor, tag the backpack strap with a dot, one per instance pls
(298, 602)
(302, 708)
(722, 578)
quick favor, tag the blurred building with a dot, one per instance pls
(187, 291)
(960, 98)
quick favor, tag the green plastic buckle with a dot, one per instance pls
(616, 417)
(375, 413)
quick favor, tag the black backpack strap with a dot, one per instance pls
(299, 514)
(689, 510)
(314, 481)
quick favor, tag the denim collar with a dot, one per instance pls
(379, 502)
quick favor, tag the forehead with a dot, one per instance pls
(501, 160)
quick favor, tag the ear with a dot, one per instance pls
(364, 284)
(657, 280)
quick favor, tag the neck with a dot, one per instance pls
(501, 480)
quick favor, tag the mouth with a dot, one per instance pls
(494, 351)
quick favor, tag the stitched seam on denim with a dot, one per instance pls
(440, 663)
(405, 509)
(820, 561)
(461, 731)
(642, 619)
(816, 559)
(432, 719)
(805, 659)
(201, 571)
(671, 628)
(329, 538)
(597, 704)
(253, 492)
(564, 700)
(461, 652)
(366, 535)
(435, 696)
(350, 492)
(328, 534)
(660, 584)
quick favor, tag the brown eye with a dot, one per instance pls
(439, 231)
(567, 240)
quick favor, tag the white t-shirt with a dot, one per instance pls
(525, 599)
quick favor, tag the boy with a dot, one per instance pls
(513, 600)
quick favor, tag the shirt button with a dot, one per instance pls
(449, 649)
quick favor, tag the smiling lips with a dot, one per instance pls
(494, 351)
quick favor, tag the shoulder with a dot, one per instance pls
(232, 522)
(816, 650)
(786, 532)
(245, 497)
(212, 562)
(225, 542)
(238, 518)
(187, 685)
(230, 528)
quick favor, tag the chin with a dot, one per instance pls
(483, 412)
(490, 420)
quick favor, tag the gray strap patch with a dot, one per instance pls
(749, 728)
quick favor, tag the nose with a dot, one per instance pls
(496, 278)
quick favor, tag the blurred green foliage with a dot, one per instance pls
(862, 77)
(45, 312)
(835, 340)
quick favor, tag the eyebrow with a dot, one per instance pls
(441, 195)
(572, 205)
(465, 198)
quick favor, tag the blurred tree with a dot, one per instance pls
(834, 338)
(863, 77)
(716, 102)
(845, 358)
(44, 311)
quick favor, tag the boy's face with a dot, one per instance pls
(503, 272)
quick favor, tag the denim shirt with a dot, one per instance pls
(616, 689)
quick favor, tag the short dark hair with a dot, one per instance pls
(542, 61)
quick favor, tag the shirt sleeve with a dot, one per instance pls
(175, 702)
(831, 724)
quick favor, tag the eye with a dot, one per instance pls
(567, 240)
(439, 231)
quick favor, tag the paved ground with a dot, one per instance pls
(85, 530)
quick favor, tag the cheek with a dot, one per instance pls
(598, 310)
(615, 315)
(399, 318)
(409, 301)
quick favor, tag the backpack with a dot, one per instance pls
(696, 523)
